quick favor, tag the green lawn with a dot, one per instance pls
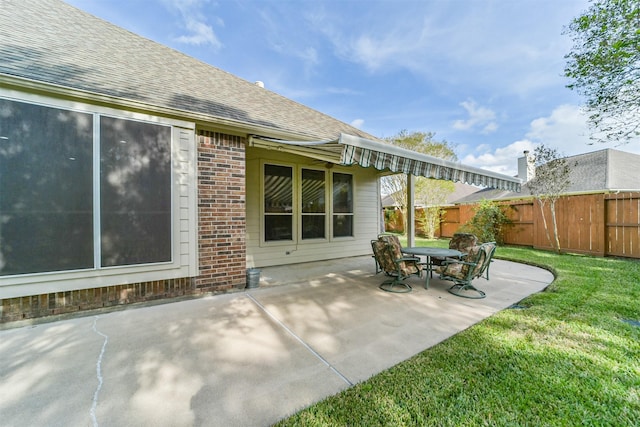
(570, 356)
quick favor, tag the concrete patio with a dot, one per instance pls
(244, 359)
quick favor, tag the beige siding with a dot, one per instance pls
(366, 215)
(186, 188)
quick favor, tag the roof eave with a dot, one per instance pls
(22, 84)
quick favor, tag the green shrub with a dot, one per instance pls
(488, 223)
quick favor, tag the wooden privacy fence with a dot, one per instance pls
(604, 224)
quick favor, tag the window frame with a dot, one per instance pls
(183, 261)
(263, 210)
(297, 213)
(350, 214)
(98, 194)
(324, 214)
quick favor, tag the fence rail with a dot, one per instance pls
(602, 224)
(605, 224)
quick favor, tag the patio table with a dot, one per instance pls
(429, 252)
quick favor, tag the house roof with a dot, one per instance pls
(52, 42)
(598, 171)
(49, 45)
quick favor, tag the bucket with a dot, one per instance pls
(253, 278)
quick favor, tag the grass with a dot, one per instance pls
(570, 356)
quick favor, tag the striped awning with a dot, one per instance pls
(352, 150)
(382, 156)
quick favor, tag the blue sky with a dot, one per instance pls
(486, 76)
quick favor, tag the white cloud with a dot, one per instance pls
(342, 91)
(503, 160)
(441, 40)
(386, 38)
(276, 32)
(199, 34)
(199, 31)
(479, 117)
(565, 129)
(393, 50)
(357, 123)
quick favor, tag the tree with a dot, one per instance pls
(426, 189)
(550, 182)
(604, 64)
(432, 194)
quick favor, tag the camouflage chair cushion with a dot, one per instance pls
(394, 252)
(463, 242)
(456, 269)
(392, 240)
(478, 255)
(383, 256)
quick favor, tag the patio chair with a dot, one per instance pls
(462, 273)
(388, 238)
(462, 242)
(394, 264)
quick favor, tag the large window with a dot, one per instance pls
(135, 192)
(48, 200)
(308, 218)
(313, 205)
(342, 205)
(46, 189)
(278, 203)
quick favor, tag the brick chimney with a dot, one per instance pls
(526, 167)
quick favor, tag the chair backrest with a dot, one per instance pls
(477, 262)
(383, 256)
(463, 242)
(390, 250)
(392, 239)
(483, 258)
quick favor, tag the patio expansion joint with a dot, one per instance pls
(299, 339)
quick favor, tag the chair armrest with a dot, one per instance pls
(408, 258)
(450, 260)
(457, 261)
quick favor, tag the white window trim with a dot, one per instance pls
(353, 212)
(297, 210)
(327, 195)
(294, 225)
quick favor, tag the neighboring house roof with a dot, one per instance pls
(598, 171)
(52, 42)
(460, 190)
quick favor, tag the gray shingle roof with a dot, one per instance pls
(52, 42)
(602, 170)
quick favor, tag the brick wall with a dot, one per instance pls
(221, 243)
(221, 211)
(30, 307)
